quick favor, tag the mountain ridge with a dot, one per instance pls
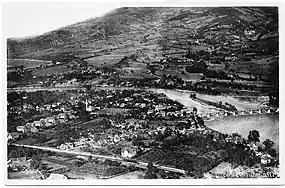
(140, 26)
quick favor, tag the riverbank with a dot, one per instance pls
(266, 124)
(183, 98)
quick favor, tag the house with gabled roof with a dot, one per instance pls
(51, 120)
(22, 129)
(37, 124)
(129, 151)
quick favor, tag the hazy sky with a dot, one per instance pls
(27, 19)
(22, 19)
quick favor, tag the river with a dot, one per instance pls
(183, 97)
(266, 124)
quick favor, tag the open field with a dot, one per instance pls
(57, 70)
(28, 141)
(181, 73)
(27, 175)
(131, 175)
(11, 83)
(27, 63)
(104, 60)
(192, 76)
(260, 66)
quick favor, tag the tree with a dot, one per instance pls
(272, 152)
(220, 103)
(236, 135)
(151, 171)
(150, 175)
(88, 87)
(137, 142)
(193, 96)
(167, 132)
(268, 144)
(239, 155)
(273, 78)
(253, 136)
(82, 113)
(13, 154)
(159, 136)
(167, 143)
(35, 163)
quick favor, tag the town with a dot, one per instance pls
(147, 93)
(122, 123)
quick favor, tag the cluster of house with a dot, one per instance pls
(164, 112)
(185, 130)
(18, 164)
(176, 60)
(80, 68)
(54, 107)
(94, 142)
(130, 129)
(155, 104)
(14, 136)
(23, 165)
(33, 127)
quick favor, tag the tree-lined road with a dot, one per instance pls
(136, 163)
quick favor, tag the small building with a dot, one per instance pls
(72, 116)
(83, 157)
(43, 121)
(51, 120)
(62, 116)
(129, 151)
(265, 159)
(13, 136)
(21, 129)
(48, 124)
(90, 108)
(116, 139)
(253, 146)
(66, 146)
(37, 124)
(96, 145)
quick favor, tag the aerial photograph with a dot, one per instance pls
(146, 93)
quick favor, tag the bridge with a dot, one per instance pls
(241, 113)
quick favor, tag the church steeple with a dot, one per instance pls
(86, 105)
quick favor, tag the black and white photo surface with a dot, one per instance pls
(142, 93)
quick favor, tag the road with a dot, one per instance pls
(137, 163)
(33, 89)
